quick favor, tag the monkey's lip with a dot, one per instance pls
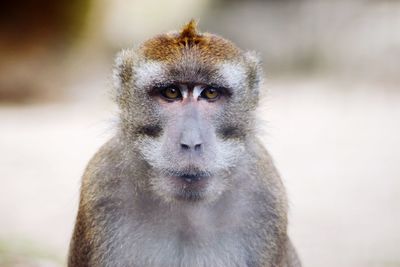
(191, 180)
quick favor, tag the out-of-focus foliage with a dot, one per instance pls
(34, 36)
(25, 23)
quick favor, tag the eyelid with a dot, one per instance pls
(157, 88)
(224, 91)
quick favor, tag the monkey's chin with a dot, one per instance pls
(190, 187)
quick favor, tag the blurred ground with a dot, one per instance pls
(336, 146)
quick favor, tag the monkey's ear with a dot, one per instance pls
(253, 61)
(123, 68)
(123, 73)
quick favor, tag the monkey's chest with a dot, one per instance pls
(156, 247)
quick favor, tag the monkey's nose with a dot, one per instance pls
(190, 138)
(191, 147)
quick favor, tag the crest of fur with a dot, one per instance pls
(170, 47)
(189, 35)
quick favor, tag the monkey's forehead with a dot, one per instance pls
(207, 48)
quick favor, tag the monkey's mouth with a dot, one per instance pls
(191, 187)
(188, 184)
(193, 180)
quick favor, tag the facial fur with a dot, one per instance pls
(188, 61)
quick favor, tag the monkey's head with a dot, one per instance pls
(187, 100)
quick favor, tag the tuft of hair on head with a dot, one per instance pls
(189, 35)
(189, 30)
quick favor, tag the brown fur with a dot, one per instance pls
(171, 46)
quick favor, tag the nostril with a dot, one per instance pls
(185, 147)
(188, 147)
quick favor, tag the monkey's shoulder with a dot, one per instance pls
(266, 176)
(102, 161)
(105, 174)
(262, 162)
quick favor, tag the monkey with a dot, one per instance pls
(184, 181)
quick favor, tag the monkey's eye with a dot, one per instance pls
(171, 93)
(210, 93)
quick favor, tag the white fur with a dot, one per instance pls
(223, 156)
(148, 73)
(197, 91)
(233, 74)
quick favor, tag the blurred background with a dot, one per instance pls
(331, 114)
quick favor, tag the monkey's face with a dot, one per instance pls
(194, 152)
(187, 107)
